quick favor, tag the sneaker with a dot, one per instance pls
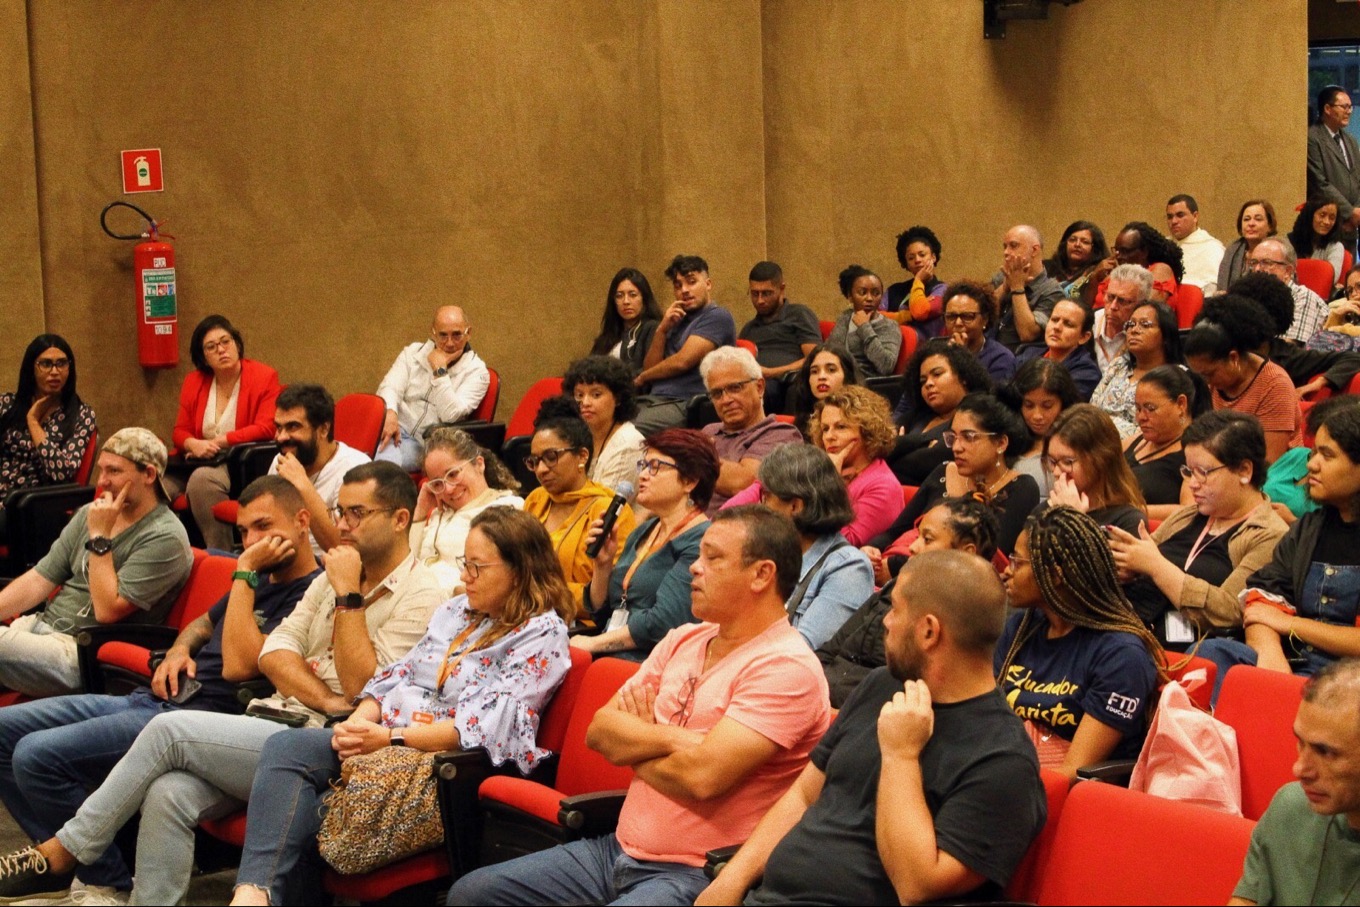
(86, 896)
(24, 874)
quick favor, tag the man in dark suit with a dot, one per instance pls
(1334, 159)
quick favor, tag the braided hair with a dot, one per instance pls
(1160, 249)
(1075, 572)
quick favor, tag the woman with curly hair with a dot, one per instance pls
(606, 398)
(937, 377)
(970, 311)
(1317, 234)
(919, 300)
(1142, 244)
(872, 339)
(1081, 248)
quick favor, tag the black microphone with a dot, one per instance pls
(610, 516)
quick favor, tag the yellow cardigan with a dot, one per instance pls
(570, 538)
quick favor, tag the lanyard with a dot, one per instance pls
(450, 663)
(652, 546)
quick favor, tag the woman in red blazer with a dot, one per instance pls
(227, 400)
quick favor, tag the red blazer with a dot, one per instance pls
(254, 406)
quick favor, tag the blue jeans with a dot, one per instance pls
(409, 454)
(295, 770)
(595, 871)
(53, 751)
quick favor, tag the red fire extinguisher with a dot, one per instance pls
(153, 274)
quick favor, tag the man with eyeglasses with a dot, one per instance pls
(121, 558)
(1310, 368)
(1201, 253)
(1024, 292)
(716, 724)
(432, 382)
(1129, 287)
(743, 434)
(1334, 160)
(1275, 256)
(371, 606)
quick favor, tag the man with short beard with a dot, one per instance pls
(927, 786)
(310, 458)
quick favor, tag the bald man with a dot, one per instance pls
(433, 381)
(1025, 294)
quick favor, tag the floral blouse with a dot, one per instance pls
(494, 696)
(22, 465)
(1114, 394)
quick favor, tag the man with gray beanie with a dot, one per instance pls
(124, 556)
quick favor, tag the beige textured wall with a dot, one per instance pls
(335, 170)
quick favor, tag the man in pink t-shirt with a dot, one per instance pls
(717, 724)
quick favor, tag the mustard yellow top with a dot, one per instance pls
(592, 500)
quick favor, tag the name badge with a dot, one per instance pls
(1178, 629)
(616, 620)
(422, 718)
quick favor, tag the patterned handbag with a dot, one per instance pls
(384, 808)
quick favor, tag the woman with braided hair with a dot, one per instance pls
(1141, 243)
(1077, 664)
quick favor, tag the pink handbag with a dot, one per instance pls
(1189, 755)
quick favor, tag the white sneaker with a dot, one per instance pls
(83, 895)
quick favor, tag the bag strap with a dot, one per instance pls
(800, 590)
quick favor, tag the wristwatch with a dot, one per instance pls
(100, 545)
(250, 576)
(353, 601)
(440, 372)
(396, 738)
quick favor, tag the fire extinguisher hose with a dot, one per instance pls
(153, 231)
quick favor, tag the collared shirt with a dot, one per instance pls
(1108, 349)
(421, 399)
(1310, 313)
(753, 443)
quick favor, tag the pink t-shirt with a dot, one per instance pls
(875, 495)
(772, 684)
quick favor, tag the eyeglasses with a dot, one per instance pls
(219, 345)
(472, 568)
(53, 365)
(1340, 106)
(548, 457)
(448, 478)
(968, 436)
(357, 514)
(1018, 561)
(963, 317)
(448, 336)
(1142, 324)
(1067, 464)
(718, 394)
(1112, 300)
(680, 717)
(1148, 409)
(1199, 474)
(652, 467)
(1259, 264)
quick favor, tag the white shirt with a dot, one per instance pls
(420, 399)
(1202, 255)
(327, 482)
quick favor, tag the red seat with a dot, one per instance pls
(359, 421)
(1026, 876)
(1189, 301)
(87, 459)
(486, 410)
(1260, 705)
(522, 420)
(748, 346)
(909, 340)
(908, 492)
(1317, 275)
(1116, 846)
(1346, 261)
(1202, 693)
(827, 327)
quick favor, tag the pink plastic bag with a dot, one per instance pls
(1190, 756)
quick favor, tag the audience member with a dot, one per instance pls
(1310, 368)
(1201, 253)
(857, 647)
(226, 400)
(630, 317)
(1075, 663)
(743, 434)
(784, 332)
(123, 557)
(691, 328)
(1153, 340)
(1067, 341)
(853, 425)
(802, 483)
(54, 751)
(373, 603)
(1342, 328)
(1275, 256)
(1317, 234)
(602, 387)
(1040, 391)
(1334, 159)
(969, 313)
(1024, 293)
(873, 340)
(900, 802)
(1128, 287)
(1287, 478)
(640, 589)
(566, 502)
(1222, 347)
(1165, 403)
(44, 425)
(1090, 473)
(1187, 574)
(433, 381)
(310, 457)
(985, 437)
(1080, 249)
(826, 369)
(1142, 244)
(918, 300)
(1287, 861)
(938, 376)
(461, 480)
(480, 677)
(709, 758)
(1255, 221)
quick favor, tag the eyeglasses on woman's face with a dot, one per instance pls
(548, 457)
(1198, 473)
(472, 568)
(652, 467)
(967, 436)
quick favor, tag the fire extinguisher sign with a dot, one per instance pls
(158, 294)
(142, 171)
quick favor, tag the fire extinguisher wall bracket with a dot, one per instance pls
(153, 275)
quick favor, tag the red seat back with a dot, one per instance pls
(748, 346)
(1346, 261)
(1026, 877)
(209, 580)
(1201, 694)
(909, 340)
(1189, 300)
(486, 410)
(87, 460)
(552, 728)
(827, 327)
(359, 421)
(1116, 846)
(1317, 275)
(522, 420)
(1260, 705)
(580, 769)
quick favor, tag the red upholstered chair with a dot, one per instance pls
(909, 492)
(827, 327)
(486, 410)
(1347, 260)
(1260, 705)
(1316, 275)
(1189, 300)
(1116, 846)
(909, 340)
(519, 430)
(359, 421)
(748, 346)
(1025, 879)
(1201, 694)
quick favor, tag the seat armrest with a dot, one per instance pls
(89, 640)
(591, 815)
(458, 774)
(249, 690)
(717, 858)
(1113, 771)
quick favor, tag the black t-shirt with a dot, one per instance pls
(1212, 564)
(1160, 479)
(1339, 542)
(982, 786)
(1013, 504)
(780, 341)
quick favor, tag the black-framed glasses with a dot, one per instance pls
(1067, 464)
(681, 716)
(968, 436)
(962, 317)
(718, 394)
(53, 365)
(653, 466)
(356, 514)
(472, 568)
(1142, 324)
(549, 456)
(1199, 474)
(1257, 264)
(448, 478)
